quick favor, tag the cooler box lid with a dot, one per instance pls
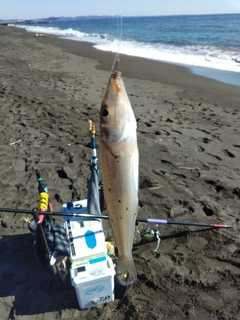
(87, 239)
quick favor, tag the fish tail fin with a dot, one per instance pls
(126, 269)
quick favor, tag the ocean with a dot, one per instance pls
(208, 44)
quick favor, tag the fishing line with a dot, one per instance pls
(121, 299)
(119, 39)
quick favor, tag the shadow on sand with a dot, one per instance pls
(33, 289)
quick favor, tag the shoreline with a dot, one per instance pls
(165, 73)
(223, 76)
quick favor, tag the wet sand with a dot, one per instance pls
(188, 137)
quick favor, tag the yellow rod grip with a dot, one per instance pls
(93, 131)
(90, 125)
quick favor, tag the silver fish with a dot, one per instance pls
(119, 167)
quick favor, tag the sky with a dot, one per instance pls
(32, 9)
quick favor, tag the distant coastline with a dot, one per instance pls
(53, 18)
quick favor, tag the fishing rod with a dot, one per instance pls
(146, 220)
(94, 161)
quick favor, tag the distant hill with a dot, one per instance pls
(49, 19)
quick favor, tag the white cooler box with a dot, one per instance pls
(92, 270)
(94, 283)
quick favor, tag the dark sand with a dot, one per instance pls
(188, 135)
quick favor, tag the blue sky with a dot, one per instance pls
(24, 9)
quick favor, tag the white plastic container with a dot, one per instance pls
(92, 270)
(94, 283)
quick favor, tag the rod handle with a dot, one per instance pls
(90, 125)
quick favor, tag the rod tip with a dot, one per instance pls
(223, 226)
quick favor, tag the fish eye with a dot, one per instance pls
(104, 112)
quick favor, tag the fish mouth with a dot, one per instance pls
(116, 75)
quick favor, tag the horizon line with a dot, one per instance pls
(126, 16)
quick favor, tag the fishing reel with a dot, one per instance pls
(148, 235)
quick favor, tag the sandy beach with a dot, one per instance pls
(188, 139)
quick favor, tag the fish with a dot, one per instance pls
(119, 161)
